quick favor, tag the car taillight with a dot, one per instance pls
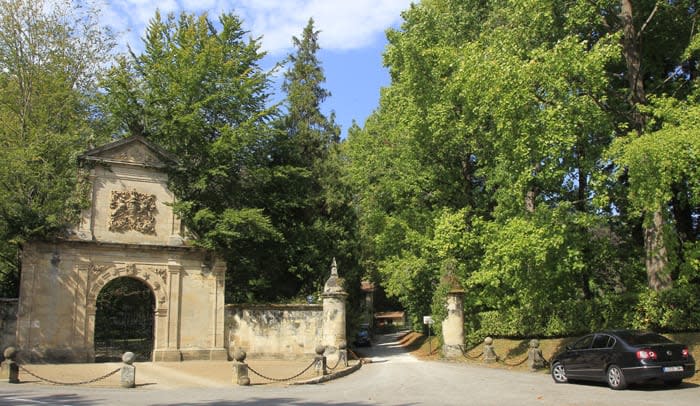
(646, 354)
(685, 352)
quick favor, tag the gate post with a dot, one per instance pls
(334, 296)
(453, 325)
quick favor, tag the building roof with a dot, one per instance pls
(389, 315)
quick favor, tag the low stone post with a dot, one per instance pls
(320, 361)
(9, 368)
(489, 352)
(535, 360)
(128, 377)
(240, 369)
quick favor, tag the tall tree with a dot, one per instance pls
(524, 178)
(310, 209)
(51, 53)
(198, 90)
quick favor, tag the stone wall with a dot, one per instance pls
(8, 322)
(274, 331)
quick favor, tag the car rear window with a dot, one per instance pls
(638, 338)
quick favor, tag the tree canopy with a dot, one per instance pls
(51, 54)
(543, 152)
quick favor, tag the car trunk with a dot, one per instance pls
(668, 352)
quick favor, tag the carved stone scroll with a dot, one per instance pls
(132, 210)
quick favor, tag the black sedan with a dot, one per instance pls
(622, 357)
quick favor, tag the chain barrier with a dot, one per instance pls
(465, 353)
(334, 366)
(107, 375)
(504, 361)
(281, 380)
(355, 356)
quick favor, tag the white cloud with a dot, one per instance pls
(344, 24)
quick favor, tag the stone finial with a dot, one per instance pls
(334, 268)
(10, 353)
(239, 355)
(128, 358)
(334, 284)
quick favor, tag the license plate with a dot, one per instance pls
(673, 369)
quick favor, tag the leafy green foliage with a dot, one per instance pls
(502, 151)
(50, 56)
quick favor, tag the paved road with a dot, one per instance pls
(394, 378)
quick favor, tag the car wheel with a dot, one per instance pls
(616, 379)
(559, 373)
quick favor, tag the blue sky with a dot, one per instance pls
(352, 38)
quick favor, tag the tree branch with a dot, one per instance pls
(651, 15)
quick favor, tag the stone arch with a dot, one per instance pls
(124, 320)
(154, 277)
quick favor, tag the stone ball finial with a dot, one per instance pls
(488, 340)
(320, 349)
(239, 355)
(128, 358)
(343, 345)
(534, 343)
(10, 353)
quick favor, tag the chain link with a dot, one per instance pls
(70, 383)
(284, 379)
(465, 353)
(515, 364)
(336, 364)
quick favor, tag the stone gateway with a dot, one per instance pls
(129, 231)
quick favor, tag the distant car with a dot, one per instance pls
(362, 339)
(622, 357)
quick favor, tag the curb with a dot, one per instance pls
(331, 376)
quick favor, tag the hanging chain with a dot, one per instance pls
(69, 383)
(284, 379)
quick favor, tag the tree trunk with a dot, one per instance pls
(656, 254)
(654, 245)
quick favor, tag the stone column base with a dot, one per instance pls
(166, 355)
(191, 354)
(451, 351)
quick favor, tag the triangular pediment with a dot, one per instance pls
(133, 150)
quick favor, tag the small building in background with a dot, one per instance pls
(395, 318)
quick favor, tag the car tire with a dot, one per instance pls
(616, 378)
(559, 373)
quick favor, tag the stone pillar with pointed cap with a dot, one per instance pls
(334, 297)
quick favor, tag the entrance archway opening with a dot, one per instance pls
(124, 320)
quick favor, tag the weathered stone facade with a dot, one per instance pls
(129, 231)
(274, 331)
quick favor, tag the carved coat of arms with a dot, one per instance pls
(132, 210)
